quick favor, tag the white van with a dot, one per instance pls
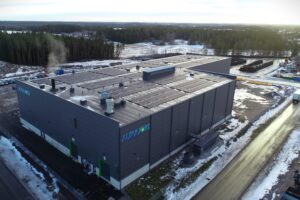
(296, 97)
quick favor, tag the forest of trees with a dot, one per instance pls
(266, 41)
(35, 47)
(262, 40)
(45, 49)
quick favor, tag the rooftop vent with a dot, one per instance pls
(109, 106)
(72, 90)
(128, 69)
(151, 73)
(119, 102)
(121, 84)
(83, 102)
(123, 102)
(53, 88)
(42, 86)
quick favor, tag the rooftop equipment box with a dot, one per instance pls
(152, 73)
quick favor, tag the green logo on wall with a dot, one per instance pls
(136, 132)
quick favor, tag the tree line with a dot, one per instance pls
(256, 40)
(42, 49)
(234, 40)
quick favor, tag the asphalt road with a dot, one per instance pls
(10, 187)
(232, 182)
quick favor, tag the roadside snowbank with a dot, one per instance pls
(280, 166)
(235, 125)
(25, 172)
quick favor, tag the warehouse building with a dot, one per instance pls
(122, 121)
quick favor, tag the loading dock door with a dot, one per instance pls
(104, 169)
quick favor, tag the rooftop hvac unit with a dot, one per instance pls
(156, 72)
(72, 90)
(103, 96)
(59, 71)
(115, 63)
(109, 106)
(119, 102)
(83, 102)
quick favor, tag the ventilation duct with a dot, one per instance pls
(53, 89)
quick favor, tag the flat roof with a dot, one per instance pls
(142, 97)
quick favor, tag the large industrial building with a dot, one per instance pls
(122, 121)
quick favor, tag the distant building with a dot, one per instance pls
(122, 121)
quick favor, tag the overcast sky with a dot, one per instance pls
(180, 11)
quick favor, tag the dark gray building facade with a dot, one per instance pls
(155, 120)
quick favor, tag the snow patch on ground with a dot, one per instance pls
(19, 72)
(243, 94)
(24, 171)
(225, 155)
(94, 63)
(148, 48)
(2, 63)
(280, 166)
